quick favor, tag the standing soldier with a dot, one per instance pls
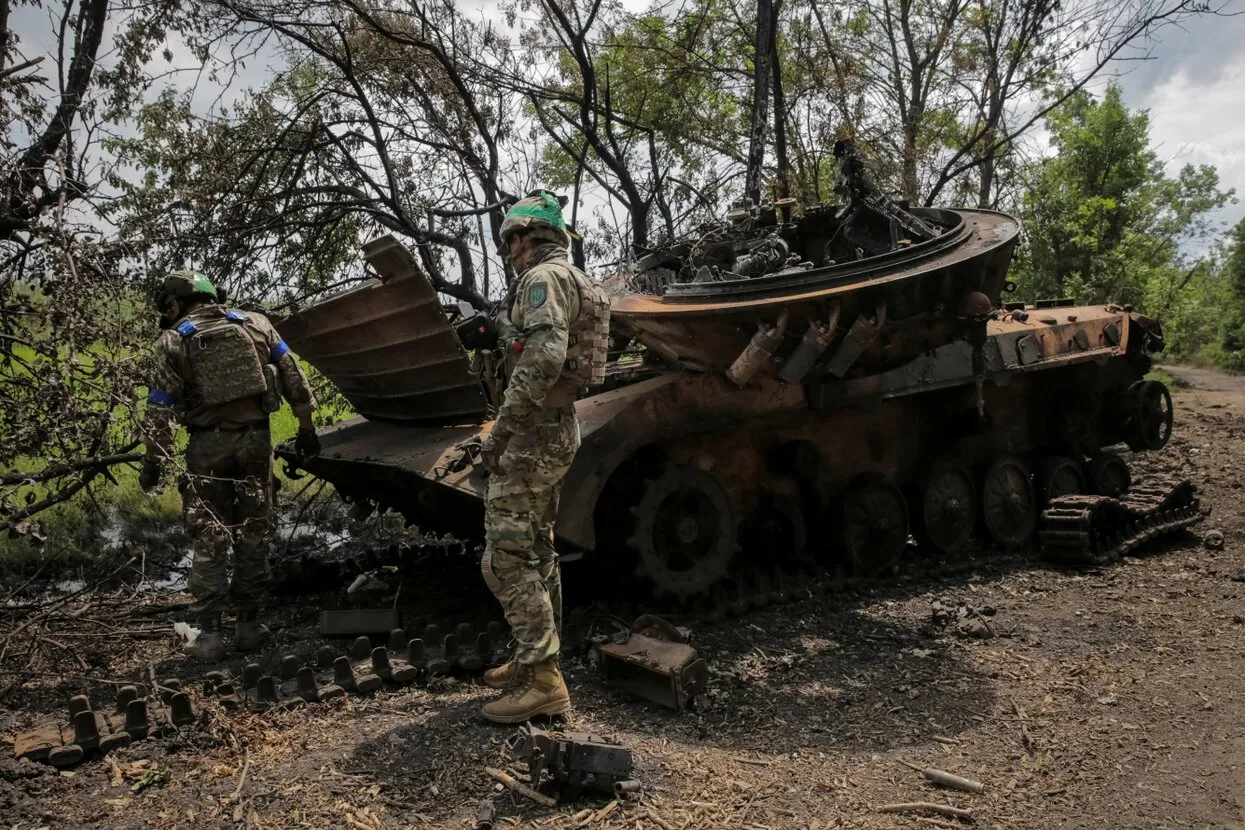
(221, 373)
(554, 324)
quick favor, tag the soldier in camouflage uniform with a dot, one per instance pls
(553, 325)
(221, 373)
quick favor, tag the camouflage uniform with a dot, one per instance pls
(227, 493)
(520, 564)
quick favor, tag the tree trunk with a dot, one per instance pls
(780, 110)
(760, 98)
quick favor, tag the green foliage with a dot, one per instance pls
(1232, 295)
(1105, 223)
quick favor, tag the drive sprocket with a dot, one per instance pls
(685, 532)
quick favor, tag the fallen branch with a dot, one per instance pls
(521, 789)
(955, 782)
(656, 819)
(65, 468)
(760, 762)
(246, 767)
(1025, 738)
(926, 807)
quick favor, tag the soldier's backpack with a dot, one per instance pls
(588, 339)
(225, 363)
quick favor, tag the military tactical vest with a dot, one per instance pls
(588, 338)
(225, 364)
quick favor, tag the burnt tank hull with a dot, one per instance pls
(684, 477)
(917, 291)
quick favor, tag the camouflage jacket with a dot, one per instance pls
(537, 315)
(169, 375)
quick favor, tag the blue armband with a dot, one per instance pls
(161, 397)
(279, 351)
(236, 317)
(187, 329)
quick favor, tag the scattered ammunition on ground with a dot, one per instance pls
(136, 722)
(621, 788)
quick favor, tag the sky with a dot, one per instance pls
(1194, 88)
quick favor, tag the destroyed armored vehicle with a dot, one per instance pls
(786, 391)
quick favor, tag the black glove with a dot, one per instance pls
(306, 444)
(149, 477)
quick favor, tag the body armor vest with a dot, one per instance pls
(224, 359)
(588, 339)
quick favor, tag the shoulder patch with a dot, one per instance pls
(187, 328)
(537, 294)
(236, 316)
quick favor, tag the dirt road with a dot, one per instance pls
(1105, 699)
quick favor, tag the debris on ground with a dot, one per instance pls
(573, 762)
(656, 663)
(1213, 540)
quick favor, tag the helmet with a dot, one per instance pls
(183, 285)
(539, 210)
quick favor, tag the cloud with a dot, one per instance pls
(1193, 91)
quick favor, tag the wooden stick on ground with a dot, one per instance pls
(520, 788)
(926, 806)
(955, 782)
(1025, 739)
(656, 819)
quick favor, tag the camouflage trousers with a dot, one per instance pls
(227, 501)
(520, 565)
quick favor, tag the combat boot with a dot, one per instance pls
(208, 646)
(502, 676)
(536, 690)
(250, 635)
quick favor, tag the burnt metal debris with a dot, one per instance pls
(788, 391)
(656, 663)
(574, 762)
(296, 682)
(91, 731)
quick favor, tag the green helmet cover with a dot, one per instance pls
(183, 285)
(538, 209)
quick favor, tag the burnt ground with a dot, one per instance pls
(1106, 699)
